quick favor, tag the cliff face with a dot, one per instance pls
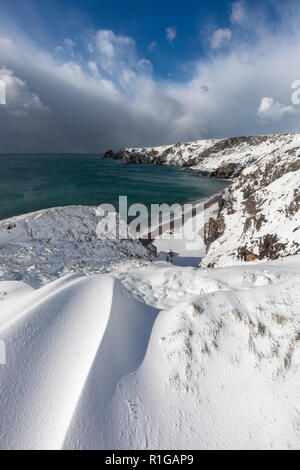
(258, 216)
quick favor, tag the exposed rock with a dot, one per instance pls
(245, 255)
(213, 230)
(113, 155)
(251, 257)
(269, 247)
(227, 171)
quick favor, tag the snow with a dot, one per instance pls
(245, 152)
(40, 247)
(177, 246)
(152, 357)
(109, 347)
(261, 203)
(56, 338)
(260, 211)
(178, 154)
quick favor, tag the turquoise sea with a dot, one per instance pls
(32, 182)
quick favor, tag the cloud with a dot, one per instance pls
(69, 43)
(171, 34)
(103, 94)
(220, 38)
(114, 50)
(20, 101)
(271, 110)
(238, 12)
(93, 68)
(152, 46)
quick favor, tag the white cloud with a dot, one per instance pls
(220, 38)
(271, 110)
(171, 34)
(20, 101)
(116, 55)
(67, 47)
(152, 46)
(105, 41)
(238, 12)
(144, 66)
(69, 43)
(93, 67)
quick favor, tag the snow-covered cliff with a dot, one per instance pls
(223, 158)
(258, 216)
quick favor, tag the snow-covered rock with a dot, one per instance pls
(222, 158)
(259, 215)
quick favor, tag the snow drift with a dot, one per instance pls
(196, 359)
(57, 338)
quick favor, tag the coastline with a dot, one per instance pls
(177, 223)
(206, 203)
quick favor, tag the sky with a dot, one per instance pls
(86, 76)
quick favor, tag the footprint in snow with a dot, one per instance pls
(133, 407)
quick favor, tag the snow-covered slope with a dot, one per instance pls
(44, 245)
(163, 358)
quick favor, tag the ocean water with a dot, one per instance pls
(33, 182)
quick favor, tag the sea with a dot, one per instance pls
(32, 182)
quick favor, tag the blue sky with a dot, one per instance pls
(49, 22)
(88, 75)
